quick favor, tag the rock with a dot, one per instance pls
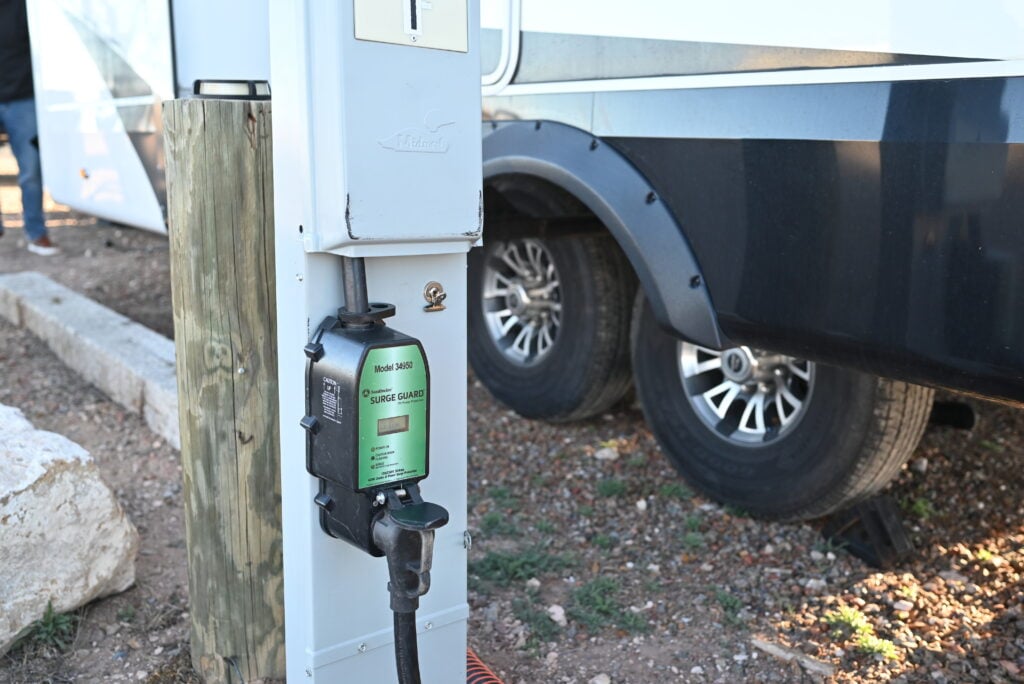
(697, 670)
(919, 465)
(601, 679)
(55, 507)
(533, 583)
(557, 615)
(816, 586)
(607, 454)
(817, 556)
(903, 606)
(641, 505)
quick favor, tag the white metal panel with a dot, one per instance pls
(226, 39)
(984, 29)
(89, 161)
(379, 149)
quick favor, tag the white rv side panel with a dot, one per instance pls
(228, 39)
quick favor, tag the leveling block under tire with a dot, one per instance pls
(775, 436)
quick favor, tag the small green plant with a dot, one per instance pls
(736, 511)
(983, 555)
(596, 605)
(638, 461)
(873, 645)
(603, 541)
(504, 568)
(611, 487)
(126, 614)
(542, 627)
(693, 541)
(920, 507)
(503, 497)
(54, 629)
(847, 622)
(545, 527)
(731, 606)
(585, 511)
(498, 524)
(693, 523)
(993, 446)
(675, 490)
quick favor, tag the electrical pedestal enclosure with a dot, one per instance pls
(395, 152)
(377, 154)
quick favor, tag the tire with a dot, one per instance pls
(847, 439)
(581, 367)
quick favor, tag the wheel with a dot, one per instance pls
(776, 436)
(549, 323)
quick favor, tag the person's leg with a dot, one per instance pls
(20, 122)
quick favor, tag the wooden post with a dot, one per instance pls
(220, 209)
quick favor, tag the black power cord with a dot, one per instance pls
(407, 659)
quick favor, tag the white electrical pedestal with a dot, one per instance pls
(376, 154)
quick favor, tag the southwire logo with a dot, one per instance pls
(420, 139)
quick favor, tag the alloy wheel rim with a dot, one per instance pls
(748, 397)
(522, 300)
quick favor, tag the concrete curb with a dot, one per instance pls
(132, 364)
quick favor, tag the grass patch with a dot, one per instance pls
(518, 566)
(693, 523)
(693, 541)
(497, 524)
(54, 629)
(585, 511)
(919, 508)
(603, 541)
(847, 622)
(503, 498)
(596, 605)
(731, 607)
(850, 623)
(542, 627)
(545, 527)
(611, 487)
(675, 490)
(870, 644)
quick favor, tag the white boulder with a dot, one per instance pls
(63, 536)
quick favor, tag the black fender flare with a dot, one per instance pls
(622, 199)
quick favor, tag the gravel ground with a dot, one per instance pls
(591, 562)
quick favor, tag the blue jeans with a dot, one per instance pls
(18, 118)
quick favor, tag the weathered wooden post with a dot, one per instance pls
(220, 206)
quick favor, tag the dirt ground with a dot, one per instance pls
(649, 582)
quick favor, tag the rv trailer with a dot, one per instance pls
(783, 224)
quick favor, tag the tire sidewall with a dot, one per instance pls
(553, 385)
(818, 455)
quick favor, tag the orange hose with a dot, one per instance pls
(477, 672)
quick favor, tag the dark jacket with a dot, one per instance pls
(15, 58)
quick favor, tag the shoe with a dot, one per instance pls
(43, 247)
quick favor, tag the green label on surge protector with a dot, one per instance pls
(392, 416)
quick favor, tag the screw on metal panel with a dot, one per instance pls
(429, 625)
(467, 540)
(695, 282)
(593, 145)
(241, 371)
(362, 647)
(651, 197)
(298, 276)
(309, 672)
(434, 293)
